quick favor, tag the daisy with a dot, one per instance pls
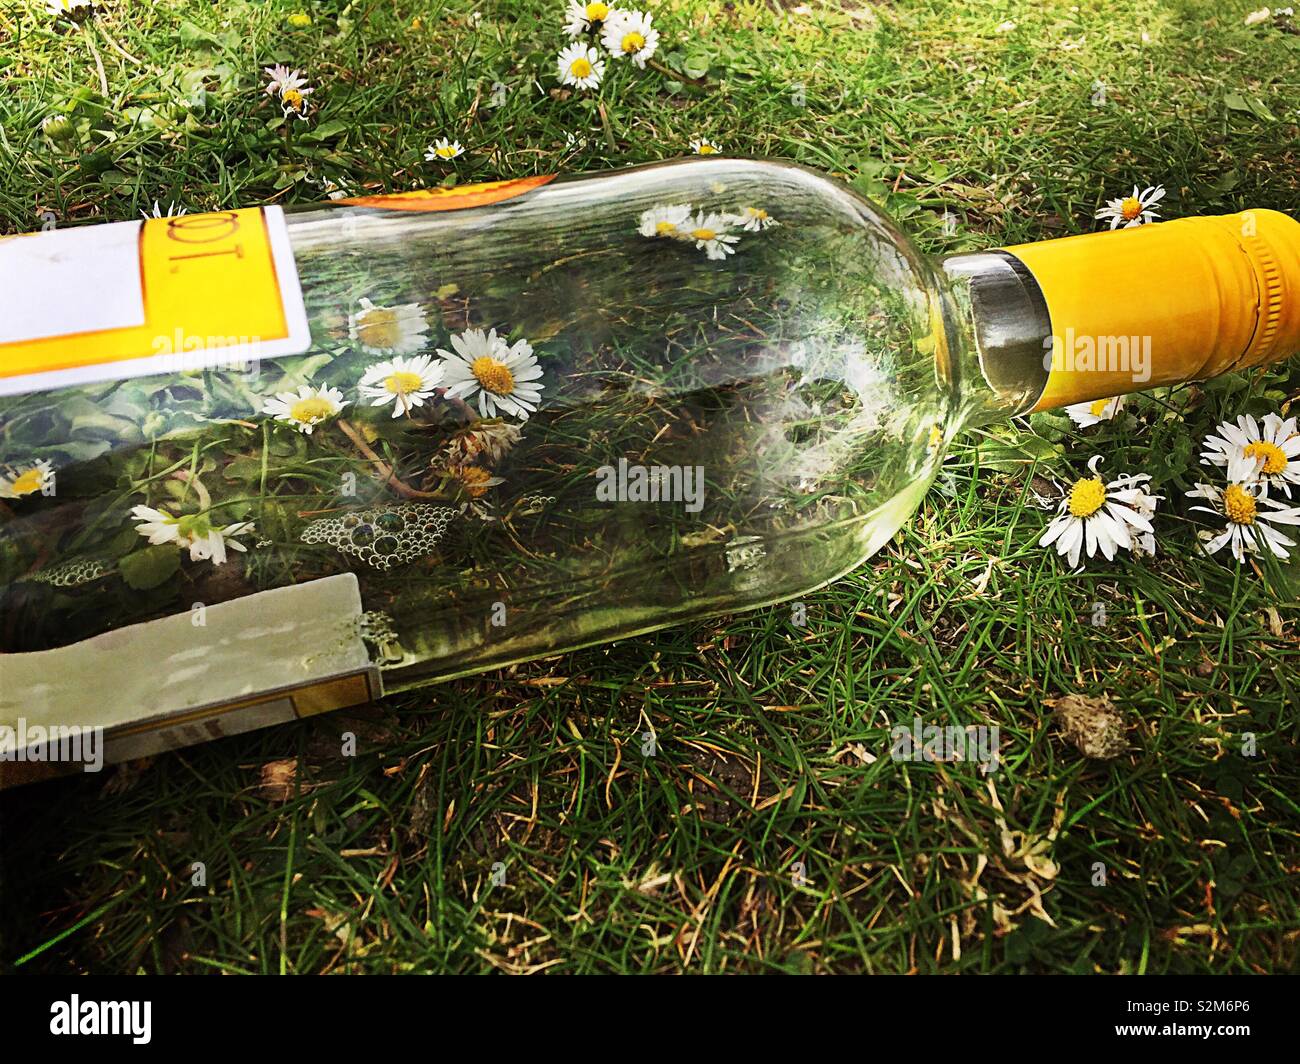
(404, 382)
(292, 88)
(174, 210)
(586, 18)
(667, 221)
(1247, 525)
(29, 480)
(755, 219)
(491, 440)
(294, 103)
(194, 531)
(1268, 452)
(58, 127)
(502, 376)
(1134, 210)
(629, 33)
(704, 147)
(76, 10)
(581, 65)
(443, 151)
(473, 480)
(1099, 410)
(1101, 516)
(711, 233)
(283, 78)
(395, 330)
(306, 408)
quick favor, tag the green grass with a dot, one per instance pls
(771, 739)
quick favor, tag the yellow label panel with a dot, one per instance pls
(206, 289)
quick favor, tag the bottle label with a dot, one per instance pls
(130, 299)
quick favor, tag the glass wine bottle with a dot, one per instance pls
(535, 415)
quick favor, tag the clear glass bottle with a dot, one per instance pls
(748, 377)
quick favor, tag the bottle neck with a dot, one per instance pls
(998, 309)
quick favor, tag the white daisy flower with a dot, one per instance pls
(282, 78)
(1248, 526)
(404, 382)
(443, 151)
(174, 210)
(1252, 452)
(711, 232)
(292, 88)
(1096, 516)
(193, 531)
(397, 330)
(491, 440)
(629, 33)
(705, 147)
(503, 376)
(26, 480)
(306, 408)
(77, 10)
(755, 219)
(1095, 412)
(662, 220)
(580, 65)
(333, 190)
(1134, 210)
(583, 18)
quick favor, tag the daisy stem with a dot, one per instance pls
(604, 124)
(186, 477)
(99, 63)
(384, 469)
(117, 47)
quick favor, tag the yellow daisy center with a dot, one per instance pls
(665, 228)
(379, 328)
(597, 12)
(1098, 408)
(704, 234)
(706, 149)
(1239, 505)
(292, 98)
(757, 212)
(309, 410)
(474, 479)
(28, 483)
(494, 376)
(445, 152)
(1130, 208)
(633, 42)
(403, 382)
(1087, 497)
(580, 68)
(1273, 455)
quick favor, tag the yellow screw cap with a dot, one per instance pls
(1167, 302)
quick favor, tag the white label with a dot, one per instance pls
(73, 280)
